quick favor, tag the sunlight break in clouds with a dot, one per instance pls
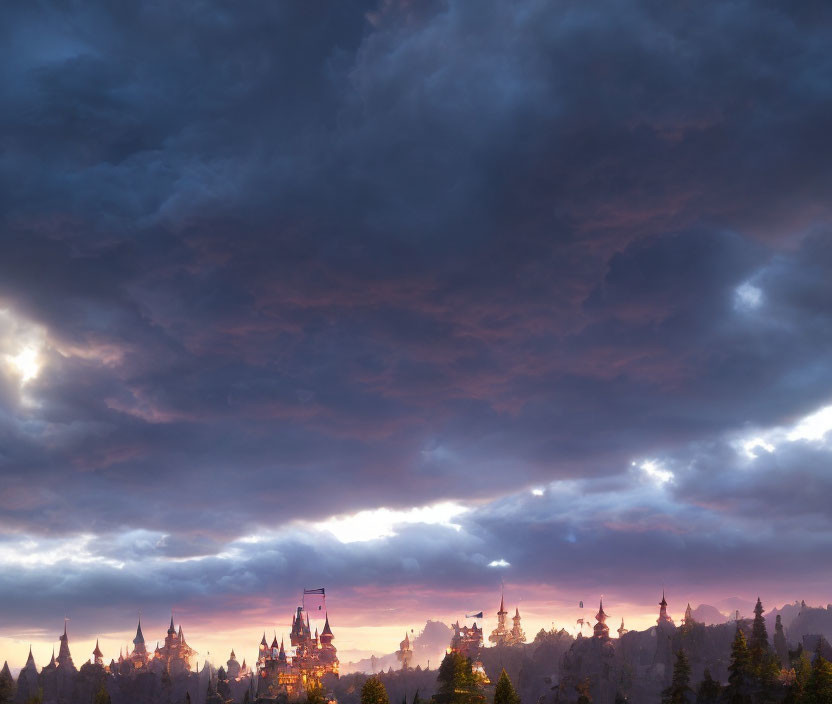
(21, 344)
(656, 472)
(747, 297)
(381, 522)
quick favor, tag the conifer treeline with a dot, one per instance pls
(758, 673)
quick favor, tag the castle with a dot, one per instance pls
(501, 635)
(315, 656)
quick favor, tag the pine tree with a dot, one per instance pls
(758, 644)
(504, 692)
(374, 692)
(709, 689)
(679, 691)
(582, 688)
(739, 679)
(802, 672)
(457, 684)
(819, 686)
(102, 696)
(780, 645)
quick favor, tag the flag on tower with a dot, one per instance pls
(314, 599)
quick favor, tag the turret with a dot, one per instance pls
(64, 657)
(663, 617)
(601, 629)
(326, 634)
(688, 621)
(97, 655)
(621, 629)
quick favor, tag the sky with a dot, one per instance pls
(410, 300)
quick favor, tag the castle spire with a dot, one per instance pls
(601, 630)
(663, 616)
(327, 630)
(139, 635)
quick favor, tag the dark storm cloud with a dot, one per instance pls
(305, 259)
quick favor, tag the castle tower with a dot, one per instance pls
(621, 629)
(97, 655)
(688, 621)
(64, 657)
(405, 654)
(139, 655)
(516, 637)
(232, 667)
(601, 629)
(326, 634)
(500, 634)
(663, 616)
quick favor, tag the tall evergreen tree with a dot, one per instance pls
(780, 645)
(758, 644)
(102, 696)
(582, 688)
(802, 672)
(709, 689)
(819, 686)
(739, 686)
(457, 684)
(679, 691)
(374, 692)
(504, 692)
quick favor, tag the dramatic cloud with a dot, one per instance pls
(406, 298)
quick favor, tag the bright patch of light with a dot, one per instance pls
(813, 427)
(757, 443)
(46, 553)
(748, 296)
(499, 563)
(25, 364)
(21, 346)
(381, 522)
(537, 491)
(655, 471)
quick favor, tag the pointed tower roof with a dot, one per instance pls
(327, 630)
(282, 654)
(139, 635)
(264, 642)
(244, 664)
(517, 612)
(52, 661)
(31, 658)
(233, 656)
(6, 672)
(502, 606)
(663, 602)
(171, 628)
(97, 652)
(274, 642)
(181, 634)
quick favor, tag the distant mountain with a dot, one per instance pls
(428, 647)
(733, 604)
(709, 615)
(788, 613)
(810, 620)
